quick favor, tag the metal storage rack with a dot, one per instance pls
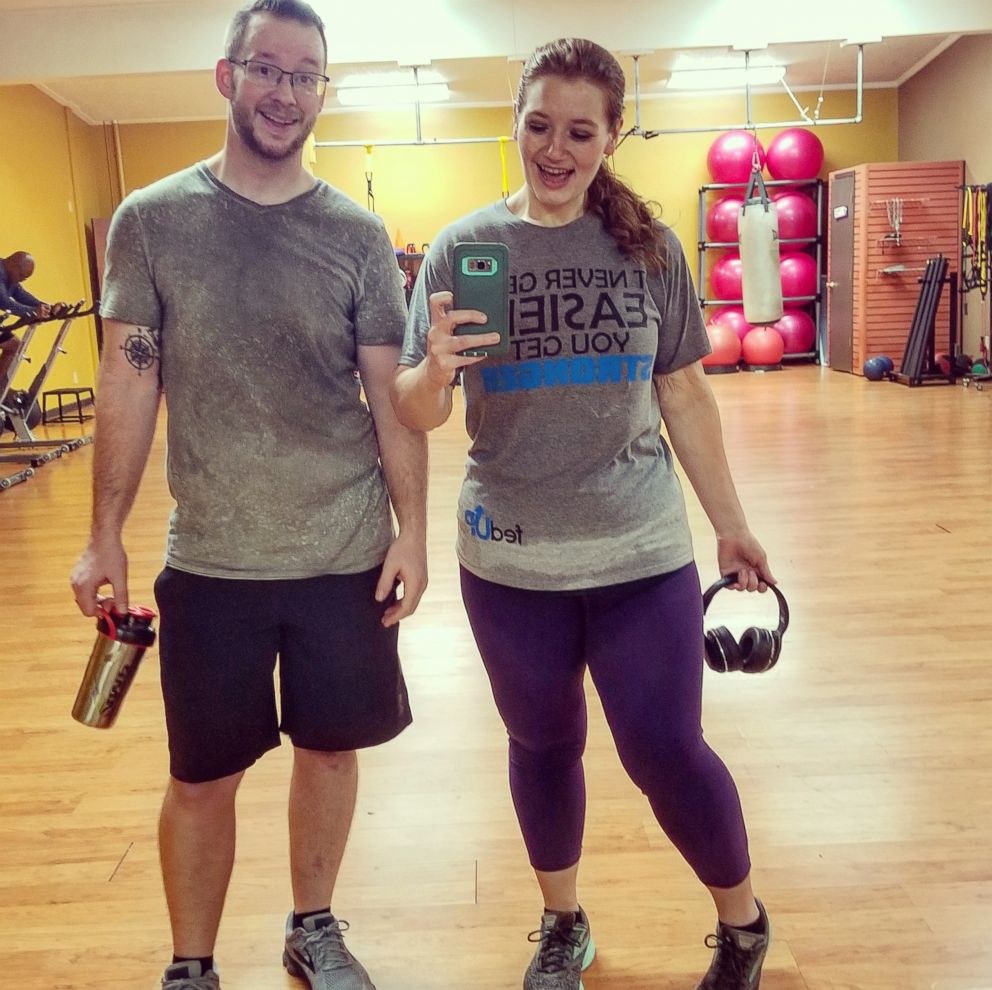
(814, 303)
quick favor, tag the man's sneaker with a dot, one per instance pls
(189, 976)
(316, 953)
(565, 948)
(737, 957)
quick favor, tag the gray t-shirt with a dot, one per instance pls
(569, 483)
(272, 455)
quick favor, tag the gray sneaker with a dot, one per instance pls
(316, 953)
(189, 976)
(565, 948)
(737, 958)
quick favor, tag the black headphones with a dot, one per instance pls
(757, 649)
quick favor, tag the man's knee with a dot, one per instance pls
(322, 761)
(206, 794)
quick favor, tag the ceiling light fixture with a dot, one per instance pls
(364, 96)
(385, 88)
(727, 78)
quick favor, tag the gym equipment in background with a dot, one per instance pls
(730, 156)
(720, 279)
(757, 650)
(874, 369)
(799, 276)
(726, 351)
(796, 216)
(725, 277)
(797, 330)
(721, 220)
(919, 361)
(757, 232)
(733, 317)
(794, 153)
(18, 407)
(762, 350)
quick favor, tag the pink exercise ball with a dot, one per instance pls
(733, 317)
(763, 347)
(796, 215)
(721, 219)
(797, 330)
(725, 343)
(730, 156)
(725, 277)
(798, 274)
(795, 153)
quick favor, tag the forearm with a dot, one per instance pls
(126, 415)
(692, 420)
(402, 450)
(419, 402)
(403, 453)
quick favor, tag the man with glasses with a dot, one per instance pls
(250, 293)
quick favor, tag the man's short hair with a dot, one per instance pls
(292, 10)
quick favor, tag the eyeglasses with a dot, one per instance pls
(269, 76)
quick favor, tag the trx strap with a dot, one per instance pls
(976, 238)
(369, 195)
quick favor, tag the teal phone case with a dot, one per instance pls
(482, 282)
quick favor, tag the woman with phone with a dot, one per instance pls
(573, 538)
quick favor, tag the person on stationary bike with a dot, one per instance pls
(17, 301)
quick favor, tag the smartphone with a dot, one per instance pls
(482, 282)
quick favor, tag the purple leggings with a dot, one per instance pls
(642, 642)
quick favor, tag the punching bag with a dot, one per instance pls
(757, 231)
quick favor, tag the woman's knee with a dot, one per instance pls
(547, 752)
(659, 761)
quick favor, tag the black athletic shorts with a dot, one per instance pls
(340, 683)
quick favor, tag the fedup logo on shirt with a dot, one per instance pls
(482, 528)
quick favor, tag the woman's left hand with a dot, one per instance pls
(742, 555)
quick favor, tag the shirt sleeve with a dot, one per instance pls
(682, 335)
(25, 298)
(381, 307)
(129, 292)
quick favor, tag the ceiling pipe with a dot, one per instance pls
(637, 131)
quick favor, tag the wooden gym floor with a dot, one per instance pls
(864, 760)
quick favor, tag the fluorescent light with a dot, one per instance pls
(729, 78)
(391, 77)
(364, 96)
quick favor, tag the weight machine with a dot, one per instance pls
(16, 407)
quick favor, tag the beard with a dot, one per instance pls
(243, 126)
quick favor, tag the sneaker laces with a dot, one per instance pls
(558, 945)
(326, 945)
(730, 971)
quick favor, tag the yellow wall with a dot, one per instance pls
(52, 180)
(151, 151)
